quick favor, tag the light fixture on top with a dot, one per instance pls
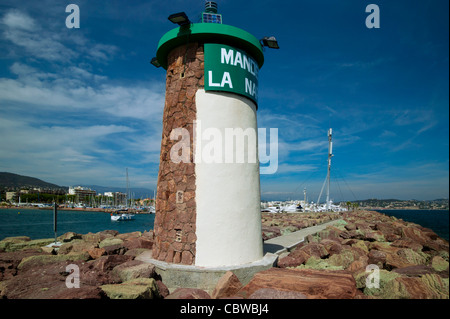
(155, 62)
(180, 18)
(270, 42)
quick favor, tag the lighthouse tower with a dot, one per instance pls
(208, 192)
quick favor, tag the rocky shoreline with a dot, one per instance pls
(412, 262)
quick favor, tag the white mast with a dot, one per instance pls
(127, 195)
(330, 155)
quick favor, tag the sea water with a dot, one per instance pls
(436, 220)
(37, 224)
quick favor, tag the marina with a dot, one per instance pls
(36, 223)
(305, 206)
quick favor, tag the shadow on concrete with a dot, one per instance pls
(272, 248)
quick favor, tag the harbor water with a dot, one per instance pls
(437, 220)
(37, 224)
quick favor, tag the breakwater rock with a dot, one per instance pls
(104, 262)
(364, 255)
(411, 261)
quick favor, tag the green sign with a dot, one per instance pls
(231, 70)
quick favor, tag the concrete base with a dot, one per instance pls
(184, 276)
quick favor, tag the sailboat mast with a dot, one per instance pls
(330, 155)
(127, 190)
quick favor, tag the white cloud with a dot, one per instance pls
(18, 20)
(71, 92)
(44, 43)
(295, 168)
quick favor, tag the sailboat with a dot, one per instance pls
(118, 216)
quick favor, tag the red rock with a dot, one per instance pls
(37, 283)
(407, 243)
(431, 234)
(357, 234)
(125, 236)
(387, 229)
(118, 249)
(107, 263)
(345, 235)
(415, 234)
(10, 260)
(272, 229)
(392, 237)
(133, 269)
(315, 284)
(377, 257)
(92, 276)
(163, 290)
(149, 234)
(312, 249)
(330, 233)
(429, 286)
(289, 261)
(364, 225)
(188, 293)
(69, 236)
(227, 286)
(96, 253)
(384, 247)
(373, 236)
(331, 246)
(84, 292)
(397, 261)
(350, 226)
(357, 265)
(414, 271)
(270, 293)
(350, 241)
(107, 234)
(90, 237)
(132, 243)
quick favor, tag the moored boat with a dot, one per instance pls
(121, 216)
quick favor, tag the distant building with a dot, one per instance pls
(82, 194)
(120, 198)
(115, 198)
(11, 196)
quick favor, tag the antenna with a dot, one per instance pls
(127, 190)
(330, 155)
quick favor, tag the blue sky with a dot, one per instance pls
(79, 106)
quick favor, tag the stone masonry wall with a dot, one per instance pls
(175, 218)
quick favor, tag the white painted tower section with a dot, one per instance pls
(228, 224)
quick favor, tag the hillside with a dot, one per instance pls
(11, 181)
(442, 203)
